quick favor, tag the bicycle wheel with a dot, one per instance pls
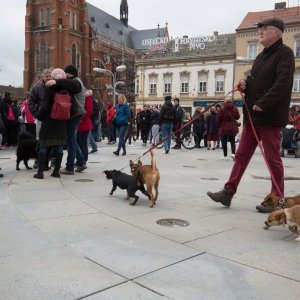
(189, 140)
(157, 141)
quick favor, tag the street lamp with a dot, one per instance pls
(120, 68)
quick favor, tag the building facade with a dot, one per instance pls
(196, 70)
(62, 32)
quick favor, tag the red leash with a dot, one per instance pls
(189, 122)
(259, 142)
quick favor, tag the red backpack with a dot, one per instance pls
(61, 109)
(10, 116)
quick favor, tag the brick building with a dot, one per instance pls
(61, 32)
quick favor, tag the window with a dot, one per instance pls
(220, 83)
(137, 86)
(42, 57)
(48, 16)
(203, 83)
(73, 54)
(296, 87)
(78, 62)
(153, 85)
(184, 84)
(167, 84)
(73, 24)
(42, 17)
(297, 48)
(252, 50)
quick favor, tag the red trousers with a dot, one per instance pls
(270, 137)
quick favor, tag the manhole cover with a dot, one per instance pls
(4, 158)
(133, 154)
(84, 180)
(203, 159)
(209, 178)
(94, 162)
(189, 166)
(172, 223)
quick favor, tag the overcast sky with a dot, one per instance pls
(192, 18)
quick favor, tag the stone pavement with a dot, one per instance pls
(67, 239)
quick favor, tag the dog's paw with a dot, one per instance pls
(132, 203)
(110, 194)
(297, 239)
(18, 169)
(31, 169)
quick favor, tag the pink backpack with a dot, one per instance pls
(10, 115)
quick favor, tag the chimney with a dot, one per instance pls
(280, 6)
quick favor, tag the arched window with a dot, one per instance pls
(74, 54)
(42, 17)
(78, 62)
(48, 16)
(43, 55)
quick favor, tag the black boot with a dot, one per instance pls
(41, 164)
(57, 165)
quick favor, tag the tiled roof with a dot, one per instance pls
(108, 26)
(114, 29)
(289, 16)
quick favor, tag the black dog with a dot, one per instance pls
(125, 182)
(26, 149)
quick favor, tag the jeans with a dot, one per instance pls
(270, 137)
(92, 141)
(72, 143)
(82, 146)
(56, 149)
(166, 130)
(122, 132)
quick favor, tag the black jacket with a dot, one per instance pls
(167, 113)
(270, 85)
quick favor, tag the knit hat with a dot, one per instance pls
(71, 69)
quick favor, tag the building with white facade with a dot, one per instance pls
(196, 70)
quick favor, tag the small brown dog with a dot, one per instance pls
(289, 216)
(273, 200)
(147, 174)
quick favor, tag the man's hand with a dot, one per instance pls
(257, 108)
(50, 82)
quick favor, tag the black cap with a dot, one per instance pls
(168, 98)
(272, 22)
(71, 69)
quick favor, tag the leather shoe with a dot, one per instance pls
(116, 153)
(265, 208)
(224, 197)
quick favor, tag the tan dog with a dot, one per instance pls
(289, 216)
(273, 200)
(147, 174)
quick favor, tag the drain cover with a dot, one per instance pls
(189, 166)
(268, 178)
(203, 159)
(94, 162)
(84, 180)
(172, 223)
(209, 178)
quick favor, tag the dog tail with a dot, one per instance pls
(153, 159)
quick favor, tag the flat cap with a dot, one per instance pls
(272, 22)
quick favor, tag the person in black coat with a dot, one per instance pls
(145, 123)
(166, 119)
(53, 132)
(268, 91)
(199, 125)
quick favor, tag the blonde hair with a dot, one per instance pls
(228, 99)
(198, 108)
(88, 93)
(58, 74)
(122, 97)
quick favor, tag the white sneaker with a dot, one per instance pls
(224, 158)
(232, 156)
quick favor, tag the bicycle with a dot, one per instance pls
(188, 140)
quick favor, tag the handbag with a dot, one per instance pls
(61, 109)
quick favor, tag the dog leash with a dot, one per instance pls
(189, 122)
(281, 203)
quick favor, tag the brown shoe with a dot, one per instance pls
(265, 208)
(224, 197)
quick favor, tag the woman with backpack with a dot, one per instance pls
(8, 118)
